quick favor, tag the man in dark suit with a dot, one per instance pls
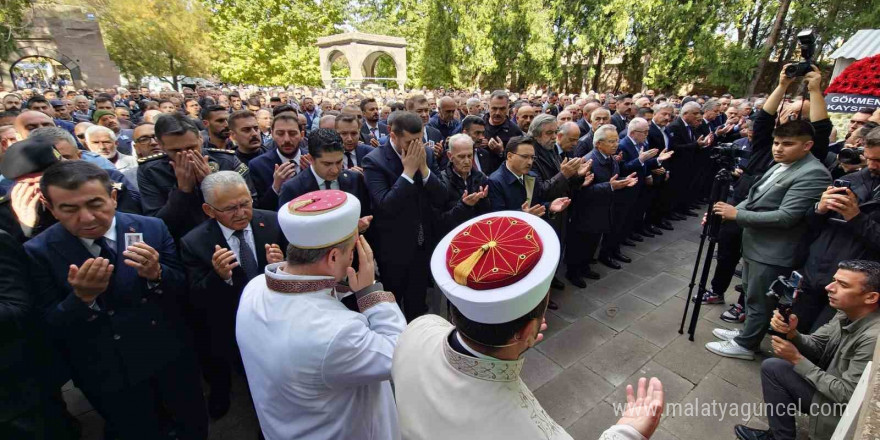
(686, 142)
(270, 170)
(405, 188)
(584, 123)
(467, 188)
(221, 256)
(431, 137)
(373, 131)
(624, 112)
(598, 118)
(488, 153)
(111, 281)
(354, 151)
(593, 212)
(514, 186)
(498, 123)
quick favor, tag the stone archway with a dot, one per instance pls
(362, 52)
(22, 53)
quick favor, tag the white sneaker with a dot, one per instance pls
(725, 334)
(730, 349)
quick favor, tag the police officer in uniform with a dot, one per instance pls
(169, 181)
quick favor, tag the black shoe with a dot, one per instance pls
(628, 242)
(609, 262)
(645, 234)
(620, 257)
(690, 213)
(552, 305)
(218, 405)
(556, 284)
(636, 237)
(653, 230)
(665, 225)
(677, 217)
(575, 280)
(593, 275)
(743, 432)
(738, 288)
(738, 273)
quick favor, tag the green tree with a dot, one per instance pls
(270, 42)
(13, 15)
(162, 38)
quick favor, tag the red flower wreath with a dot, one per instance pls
(860, 78)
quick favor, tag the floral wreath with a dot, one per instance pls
(860, 78)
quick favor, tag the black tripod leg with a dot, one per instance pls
(704, 275)
(687, 303)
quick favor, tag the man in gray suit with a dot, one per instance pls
(772, 218)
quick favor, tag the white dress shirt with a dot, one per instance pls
(234, 243)
(773, 178)
(334, 184)
(409, 179)
(109, 236)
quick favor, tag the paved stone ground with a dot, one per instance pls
(603, 337)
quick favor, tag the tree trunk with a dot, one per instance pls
(597, 75)
(769, 45)
(173, 73)
(754, 41)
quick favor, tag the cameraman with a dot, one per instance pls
(847, 221)
(815, 370)
(760, 160)
(772, 219)
(849, 159)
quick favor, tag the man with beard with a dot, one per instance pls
(245, 133)
(145, 143)
(276, 166)
(311, 113)
(347, 127)
(108, 119)
(12, 102)
(599, 117)
(498, 123)
(444, 121)
(624, 112)
(216, 122)
(374, 131)
(524, 116)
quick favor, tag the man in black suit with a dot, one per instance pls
(354, 151)
(624, 112)
(221, 256)
(598, 118)
(686, 142)
(373, 131)
(468, 188)
(593, 212)
(584, 123)
(405, 188)
(110, 281)
(270, 170)
(498, 123)
(514, 186)
(488, 153)
(431, 137)
(661, 203)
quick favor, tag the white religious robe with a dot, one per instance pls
(443, 394)
(317, 370)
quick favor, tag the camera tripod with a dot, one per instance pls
(720, 189)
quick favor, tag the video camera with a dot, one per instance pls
(807, 40)
(726, 155)
(784, 292)
(851, 156)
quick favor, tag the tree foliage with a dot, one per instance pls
(270, 42)
(163, 38)
(13, 16)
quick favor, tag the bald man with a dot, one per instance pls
(584, 122)
(564, 116)
(444, 121)
(524, 116)
(30, 120)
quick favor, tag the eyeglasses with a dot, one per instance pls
(526, 156)
(235, 208)
(81, 136)
(145, 139)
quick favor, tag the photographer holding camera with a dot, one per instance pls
(846, 223)
(772, 220)
(851, 156)
(815, 370)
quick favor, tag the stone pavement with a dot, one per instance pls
(604, 336)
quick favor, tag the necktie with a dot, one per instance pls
(107, 251)
(327, 184)
(350, 163)
(246, 256)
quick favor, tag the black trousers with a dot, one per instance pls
(408, 281)
(579, 250)
(47, 420)
(131, 412)
(783, 387)
(729, 252)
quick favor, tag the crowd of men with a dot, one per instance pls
(134, 222)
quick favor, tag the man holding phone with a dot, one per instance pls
(846, 221)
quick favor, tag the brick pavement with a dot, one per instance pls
(603, 337)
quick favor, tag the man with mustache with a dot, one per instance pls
(245, 133)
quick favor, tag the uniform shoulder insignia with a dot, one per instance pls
(3, 199)
(117, 186)
(242, 169)
(220, 150)
(151, 157)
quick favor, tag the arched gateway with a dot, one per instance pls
(363, 53)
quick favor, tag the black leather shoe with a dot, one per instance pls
(590, 274)
(690, 213)
(627, 242)
(552, 305)
(738, 288)
(609, 262)
(743, 432)
(677, 217)
(575, 280)
(636, 237)
(653, 230)
(218, 405)
(665, 223)
(556, 284)
(620, 257)
(645, 234)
